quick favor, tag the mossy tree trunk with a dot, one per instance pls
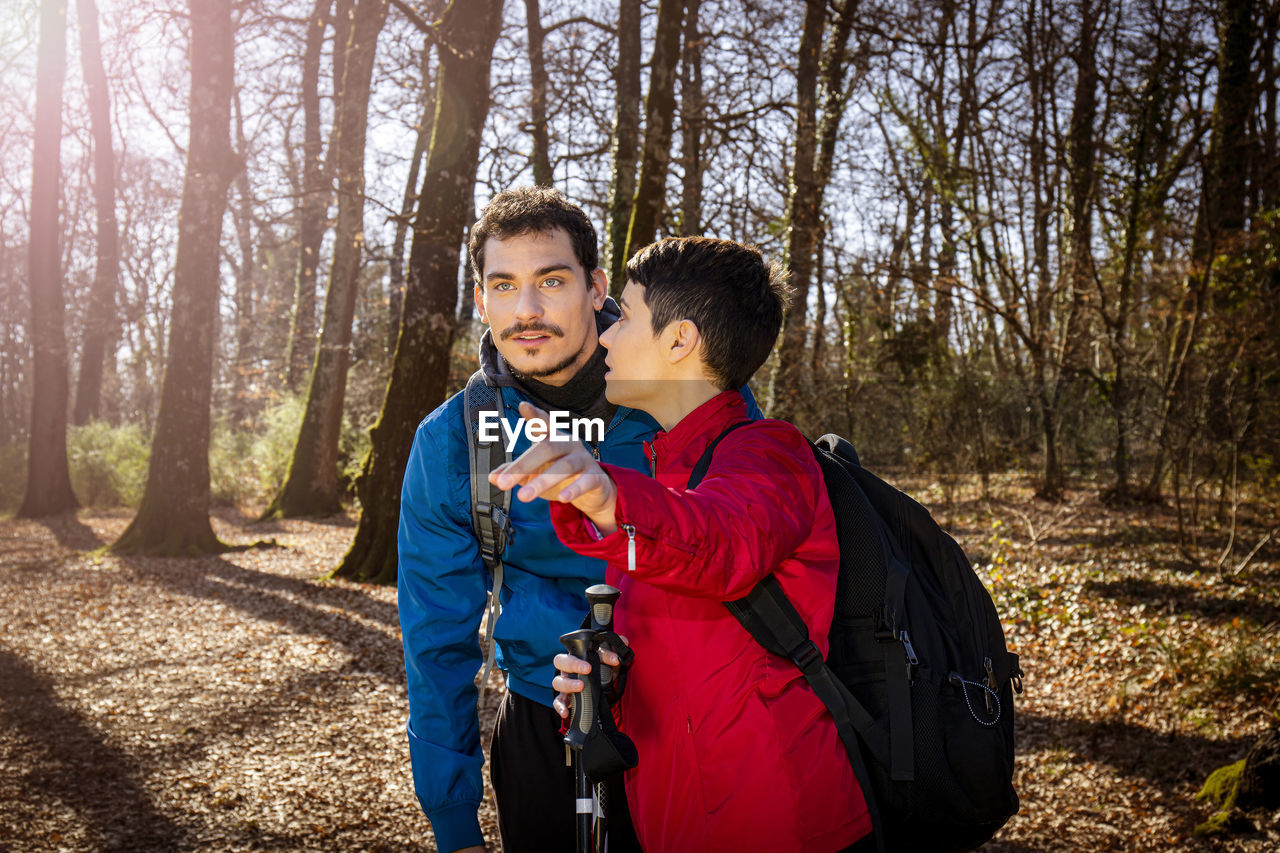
(626, 141)
(102, 295)
(173, 518)
(803, 211)
(692, 114)
(396, 266)
(311, 486)
(313, 207)
(1222, 211)
(420, 370)
(48, 477)
(659, 114)
(540, 159)
(240, 411)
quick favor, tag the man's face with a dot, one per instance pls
(637, 366)
(540, 304)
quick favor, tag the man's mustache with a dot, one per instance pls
(523, 329)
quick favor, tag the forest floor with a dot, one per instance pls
(238, 703)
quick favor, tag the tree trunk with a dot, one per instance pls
(174, 516)
(48, 478)
(626, 138)
(1119, 323)
(1079, 261)
(311, 486)
(102, 295)
(242, 359)
(803, 212)
(396, 267)
(540, 159)
(692, 110)
(466, 292)
(659, 110)
(420, 371)
(313, 207)
(835, 97)
(1222, 208)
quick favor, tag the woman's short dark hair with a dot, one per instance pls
(523, 210)
(727, 289)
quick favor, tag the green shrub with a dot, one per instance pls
(13, 475)
(108, 463)
(248, 467)
(353, 446)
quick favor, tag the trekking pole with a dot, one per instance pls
(581, 644)
(600, 600)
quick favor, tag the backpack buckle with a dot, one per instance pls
(504, 532)
(887, 629)
(806, 657)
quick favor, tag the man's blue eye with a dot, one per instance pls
(553, 282)
(502, 285)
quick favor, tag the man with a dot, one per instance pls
(541, 292)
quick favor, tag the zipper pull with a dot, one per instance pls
(912, 660)
(990, 681)
(630, 530)
(595, 452)
(653, 461)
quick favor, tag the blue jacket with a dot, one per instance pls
(443, 584)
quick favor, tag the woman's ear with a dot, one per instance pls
(684, 341)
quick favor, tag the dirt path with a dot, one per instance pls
(234, 703)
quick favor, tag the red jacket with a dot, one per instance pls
(736, 751)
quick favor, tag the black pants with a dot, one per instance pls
(534, 788)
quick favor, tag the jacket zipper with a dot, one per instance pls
(630, 530)
(595, 446)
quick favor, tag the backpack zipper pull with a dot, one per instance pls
(912, 660)
(989, 680)
(630, 530)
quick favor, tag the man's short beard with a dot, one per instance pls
(563, 364)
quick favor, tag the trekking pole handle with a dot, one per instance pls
(582, 645)
(601, 599)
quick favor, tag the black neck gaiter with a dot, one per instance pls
(583, 395)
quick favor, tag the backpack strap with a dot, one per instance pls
(899, 664)
(772, 620)
(704, 461)
(490, 506)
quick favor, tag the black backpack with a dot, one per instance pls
(918, 677)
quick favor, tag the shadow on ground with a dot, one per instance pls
(1166, 759)
(1181, 599)
(71, 764)
(71, 532)
(322, 610)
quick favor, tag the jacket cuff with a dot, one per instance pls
(576, 532)
(456, 827)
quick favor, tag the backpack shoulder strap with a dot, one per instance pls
(774, 623)
(490, 506)
(704, 461)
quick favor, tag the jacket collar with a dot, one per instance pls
(687, 439)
